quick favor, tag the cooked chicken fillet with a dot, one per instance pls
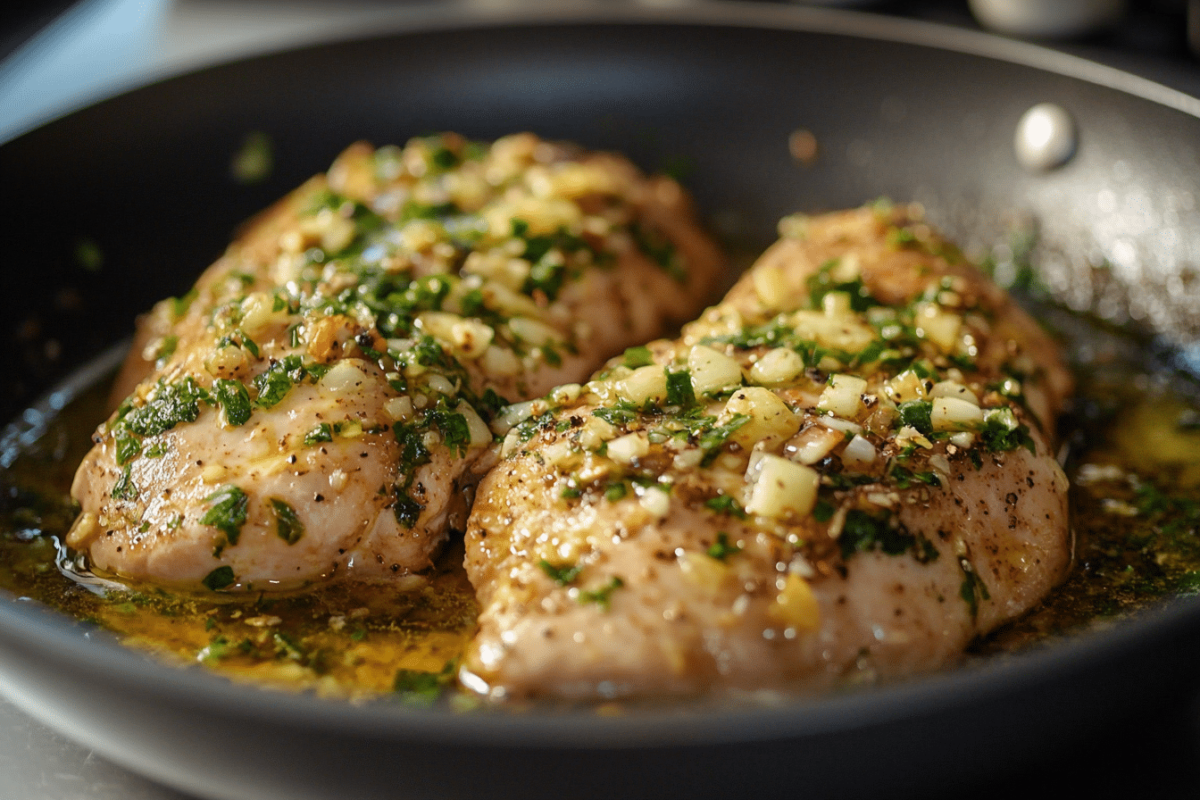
(844, 470)
(318, 403)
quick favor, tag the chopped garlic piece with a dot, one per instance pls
(783, 488)
(780, 365)
(796, 605)
(624, 449)
(843, 396)
(702, 570)
(656, 501)
(906, 386)
(859, 453)
(712, 371)
(938, 326)
(955, 390)
(813, 444)
(950, 414)
(343, 377)
(771, 286)
(644, 383)
(771, 421)
(480, 434)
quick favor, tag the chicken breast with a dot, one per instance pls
(845, 470)
(317, 405)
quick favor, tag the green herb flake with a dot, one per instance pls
(724, 504)
(254, 160)
(456, 433)
(166, 349)
(406, 510)
(973, 589)
(234, 400)
(125, 488)
(218, 579)
(228, 512)
(917, 414)
(615, 491)
(218, 647)
(322, 433)
(602, 596)
(1002, 433)
(639, 356)
(562, 574)
(422, 688)
(721, 549)
(274, 384)
(287, 525)
(713, 439)
(863, 532)
(620, 413)
(127, 446)
(679, 389)
(170, 405)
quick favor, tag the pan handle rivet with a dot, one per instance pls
(1046, 138)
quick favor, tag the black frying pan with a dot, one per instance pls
(901, 110)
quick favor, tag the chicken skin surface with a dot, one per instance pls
(318, 405)
(845, 470)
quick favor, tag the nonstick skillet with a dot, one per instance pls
(900, 110)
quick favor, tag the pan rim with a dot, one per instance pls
(120, 665)
(711, 13)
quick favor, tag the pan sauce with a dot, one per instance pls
(1133, 455)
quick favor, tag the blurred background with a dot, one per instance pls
(56, 55)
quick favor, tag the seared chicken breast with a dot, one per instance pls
(844, 470)
(317, 405)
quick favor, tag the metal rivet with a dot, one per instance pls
(1046, 137)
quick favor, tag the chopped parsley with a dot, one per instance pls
(422, 688)
(618, 414)
(170, 405)
(863, 532)
(562, 574)
(127, 446)
(822, 283)
(216, 580)
(905, 478)
(973, 589)
(721, 549)
(639, 356)
(406, 510)
(125, 488)
(602, 596)
(322, 433)
(228, 512)
(615, 491)
(456, 433)
(823, 511)
(724, 504)
(998, 435)
(917, 414)
(714, 438)
(287, 525)
(274, 384)
(234, 400)
(679, 389)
